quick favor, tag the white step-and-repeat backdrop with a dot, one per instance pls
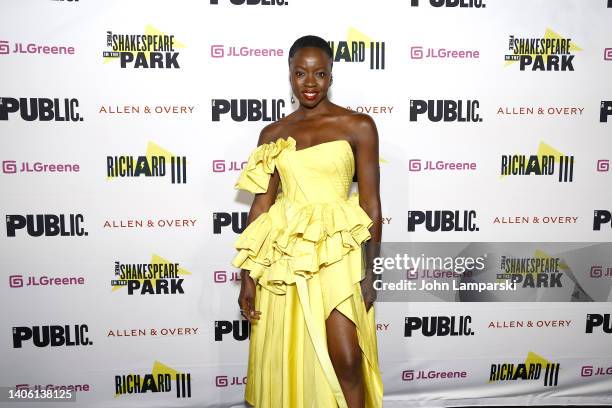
(124, 124)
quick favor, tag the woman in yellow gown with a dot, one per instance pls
(306, 280)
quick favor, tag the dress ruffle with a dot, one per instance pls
(298, 238)
(255, 177)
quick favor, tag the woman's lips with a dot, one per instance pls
(310, 95)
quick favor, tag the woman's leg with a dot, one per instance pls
(346, 357)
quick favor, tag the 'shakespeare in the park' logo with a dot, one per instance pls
(540, 271)
(151, 49)
(549, 53)
(158, 277)
(157, 162)
(161, 379)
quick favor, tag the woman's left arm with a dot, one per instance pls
(367, 167)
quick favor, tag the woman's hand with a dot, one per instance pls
(367, 291)
(246, 299)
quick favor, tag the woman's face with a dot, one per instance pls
(310, 74)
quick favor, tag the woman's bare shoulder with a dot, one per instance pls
(276, 130)
(358, 125)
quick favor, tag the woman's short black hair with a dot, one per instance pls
(310, 41)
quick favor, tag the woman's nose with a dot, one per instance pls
(310, 80)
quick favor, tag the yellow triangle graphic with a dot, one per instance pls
(355, 35)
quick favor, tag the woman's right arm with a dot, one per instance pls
(261, 204)
(263, 201)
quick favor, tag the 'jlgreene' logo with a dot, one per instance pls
(551, 53)
(153, 49)
(31, 48)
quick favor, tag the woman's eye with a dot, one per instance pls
(321, 74)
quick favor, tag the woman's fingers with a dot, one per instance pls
(248, 311)
(254, 314)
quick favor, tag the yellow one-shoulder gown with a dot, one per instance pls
(305, 255)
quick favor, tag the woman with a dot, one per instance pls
(306, 289)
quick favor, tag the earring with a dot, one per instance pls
(292, 99)
(331, 80)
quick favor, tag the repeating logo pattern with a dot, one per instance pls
(113, 157)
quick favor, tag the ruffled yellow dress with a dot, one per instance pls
(305, 255)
